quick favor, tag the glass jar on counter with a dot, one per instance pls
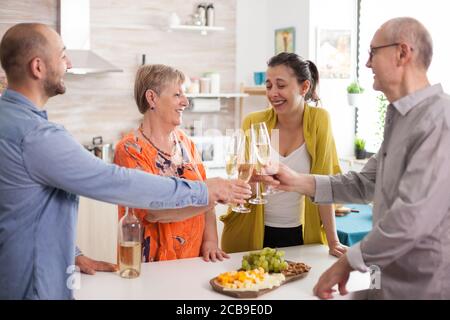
(205, 85)
(194, 86)
(215, 82)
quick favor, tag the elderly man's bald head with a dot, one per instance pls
(21, 44)
(412, 32)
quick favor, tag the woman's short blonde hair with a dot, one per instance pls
(154, 77)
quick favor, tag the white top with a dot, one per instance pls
(282, 209)
(188, 279)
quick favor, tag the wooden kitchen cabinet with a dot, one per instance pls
(97, 229)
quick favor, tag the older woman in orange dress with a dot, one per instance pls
(158, 146)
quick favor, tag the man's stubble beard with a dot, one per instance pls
(53, 88)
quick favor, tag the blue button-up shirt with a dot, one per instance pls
(42, 172)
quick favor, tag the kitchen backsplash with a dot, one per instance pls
(121, 31)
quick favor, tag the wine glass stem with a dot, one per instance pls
(258, 191)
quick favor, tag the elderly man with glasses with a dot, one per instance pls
(408, 180)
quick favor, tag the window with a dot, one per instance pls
(434, 16)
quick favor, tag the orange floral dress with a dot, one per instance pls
(165, 241)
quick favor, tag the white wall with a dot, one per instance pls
(374, 13)
(256, 22)
(251, 38)
(331, 14)
(252, 49)
(290, 13)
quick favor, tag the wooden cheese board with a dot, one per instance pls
(294, 272)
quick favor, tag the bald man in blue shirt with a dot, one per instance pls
(43, 170)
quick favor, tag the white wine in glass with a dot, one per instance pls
(232, 151)
(245, 171)
(231, 164)
(245, 165)
(263, 153)
(261, 144)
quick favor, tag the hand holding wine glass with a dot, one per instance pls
(219, 190)
(266, 175)
(227, 191)
(286, 179)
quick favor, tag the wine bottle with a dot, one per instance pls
(130, 245)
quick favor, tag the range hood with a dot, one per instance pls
(74, 27)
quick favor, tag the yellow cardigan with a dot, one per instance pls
(245, 231)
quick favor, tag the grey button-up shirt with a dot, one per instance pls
(42, 170)
(409, 183)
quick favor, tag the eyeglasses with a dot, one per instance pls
(373, 49)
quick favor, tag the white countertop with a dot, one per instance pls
(188, 279)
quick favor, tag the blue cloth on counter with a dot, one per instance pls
(354, 226)
(42, 172)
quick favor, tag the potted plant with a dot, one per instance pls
(354, 91)
(360, 148)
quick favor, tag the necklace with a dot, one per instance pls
(141, 130)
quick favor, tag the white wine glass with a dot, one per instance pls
(261, 144)
(177, 157)
(182, 157)
(245, 166)
(231, 155)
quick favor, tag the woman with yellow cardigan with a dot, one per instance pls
(306, 145)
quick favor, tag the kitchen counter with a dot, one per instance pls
(188, 279)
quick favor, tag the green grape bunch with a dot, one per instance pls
(271, 260)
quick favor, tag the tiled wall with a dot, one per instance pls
(121, 31)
